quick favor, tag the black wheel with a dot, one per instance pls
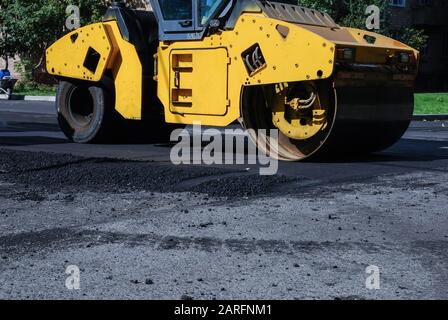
(85, 112)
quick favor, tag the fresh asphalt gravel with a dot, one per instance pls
(139, 230)
(67, 173)
(151, 230)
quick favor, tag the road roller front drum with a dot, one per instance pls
(334, 120)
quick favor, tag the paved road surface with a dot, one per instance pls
(148, 229)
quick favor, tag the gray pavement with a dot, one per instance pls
(151, 230)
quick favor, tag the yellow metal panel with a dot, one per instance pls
(292, 53)
(128, 74)
(377, 51)
(301, 55)
(66, 57)
(198, 81)
(380, 40)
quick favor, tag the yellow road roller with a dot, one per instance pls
(329, 90)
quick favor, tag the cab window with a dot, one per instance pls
(207, 8)
(176, 9)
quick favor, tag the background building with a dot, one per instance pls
(432, 17)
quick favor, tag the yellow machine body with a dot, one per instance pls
(67, 58)
(214, 66)
(204, 80)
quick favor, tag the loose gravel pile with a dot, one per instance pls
(56, 172)
(242, 185)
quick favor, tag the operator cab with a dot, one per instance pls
(187, 19)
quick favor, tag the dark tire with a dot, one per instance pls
(85, 112)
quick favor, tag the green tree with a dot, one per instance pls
(7, 46)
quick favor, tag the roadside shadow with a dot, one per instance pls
(29, 127)
(16, 97)
(29, 141)
(404, 150)
(24, 134)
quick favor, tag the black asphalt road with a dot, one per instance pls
(137, 226)
(31, 126)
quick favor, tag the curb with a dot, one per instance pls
(430, 117)
(37, 98)
(30, 98)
